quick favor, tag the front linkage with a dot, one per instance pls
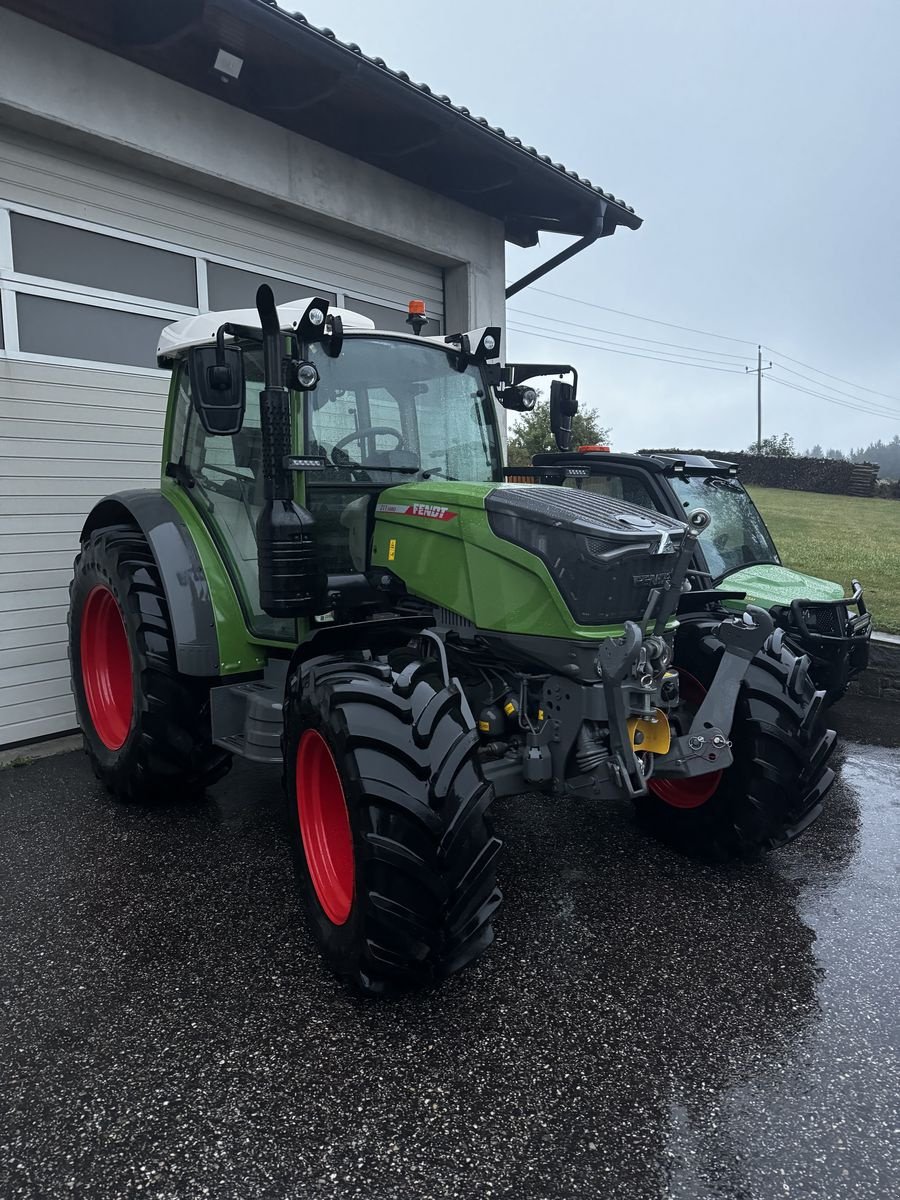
(607, 732)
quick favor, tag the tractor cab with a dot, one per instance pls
(301, 416)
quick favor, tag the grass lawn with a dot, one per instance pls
(836, 537)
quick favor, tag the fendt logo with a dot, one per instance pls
(663, 579)
(434, 512)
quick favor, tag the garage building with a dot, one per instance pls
(161, 160)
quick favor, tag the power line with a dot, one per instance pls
(631, 336)
(840, 392)
(637, 317)
(611, 349)
(861, 387)
(871, 412)
(859, 403)
(705, 333)
(684, 356)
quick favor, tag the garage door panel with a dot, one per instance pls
(36, 378)
(26, 655)
(40, 727)
(53, 508)
(23, 676)
(55, 706)
(48, 689)
(34, 597)
(55, 488)
(11, 582)
(22, 548)
(145, 440)
(20, 525)
(47, 415)
(87, 451)
(33, 635)
(33, 618)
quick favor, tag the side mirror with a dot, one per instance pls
(216, 375)
(563, 407)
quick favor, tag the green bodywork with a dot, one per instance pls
(768, 584)
(435, 536)
(239, 650)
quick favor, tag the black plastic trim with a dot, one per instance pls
(183, 579)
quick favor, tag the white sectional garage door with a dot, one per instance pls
(94, 259)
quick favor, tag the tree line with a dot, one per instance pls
(886, 454)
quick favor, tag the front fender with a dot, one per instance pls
(183, 578)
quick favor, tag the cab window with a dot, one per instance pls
(228, 490)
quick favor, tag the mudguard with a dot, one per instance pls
(183, 579)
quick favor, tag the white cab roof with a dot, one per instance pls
(201, 331)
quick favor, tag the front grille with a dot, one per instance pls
(828, 620)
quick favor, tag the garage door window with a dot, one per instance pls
(229, 287)
(74, 291)
(52, 251)
(67, 330)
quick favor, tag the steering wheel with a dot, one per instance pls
(370, 431)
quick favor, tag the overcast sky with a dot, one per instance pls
(759, 141)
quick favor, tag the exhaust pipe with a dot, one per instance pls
(291, 582)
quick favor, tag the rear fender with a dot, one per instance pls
(183, 579)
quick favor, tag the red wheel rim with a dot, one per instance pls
(687, 793)
(106, 667)
(325, 827)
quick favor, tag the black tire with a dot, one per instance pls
(166, 750)
(774, 788)
(423, 882)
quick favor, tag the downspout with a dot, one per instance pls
(597, 231)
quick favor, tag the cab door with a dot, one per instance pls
(225, 474)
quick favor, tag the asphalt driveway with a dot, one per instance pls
(643, 1026)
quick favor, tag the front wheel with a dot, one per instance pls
(387, 809)
(774, 788)
(146, 727)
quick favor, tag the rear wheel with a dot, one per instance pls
(395, 853)
(146, 728)
(773, 789)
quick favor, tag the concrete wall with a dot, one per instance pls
(882, 680)
(59, 87)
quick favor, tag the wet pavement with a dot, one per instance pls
(643, 1027)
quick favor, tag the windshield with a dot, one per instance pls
(736, 537)
(387, 409)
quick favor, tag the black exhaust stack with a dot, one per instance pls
(291, 583)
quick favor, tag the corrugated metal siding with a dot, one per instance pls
(67, 435)
(70, 434)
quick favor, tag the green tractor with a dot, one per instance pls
(333, 577)
(736, 554)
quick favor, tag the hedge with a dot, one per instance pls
(798, 473)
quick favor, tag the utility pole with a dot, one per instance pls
(759, 374)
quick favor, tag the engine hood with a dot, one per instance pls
(525, 559)
(768, 584)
